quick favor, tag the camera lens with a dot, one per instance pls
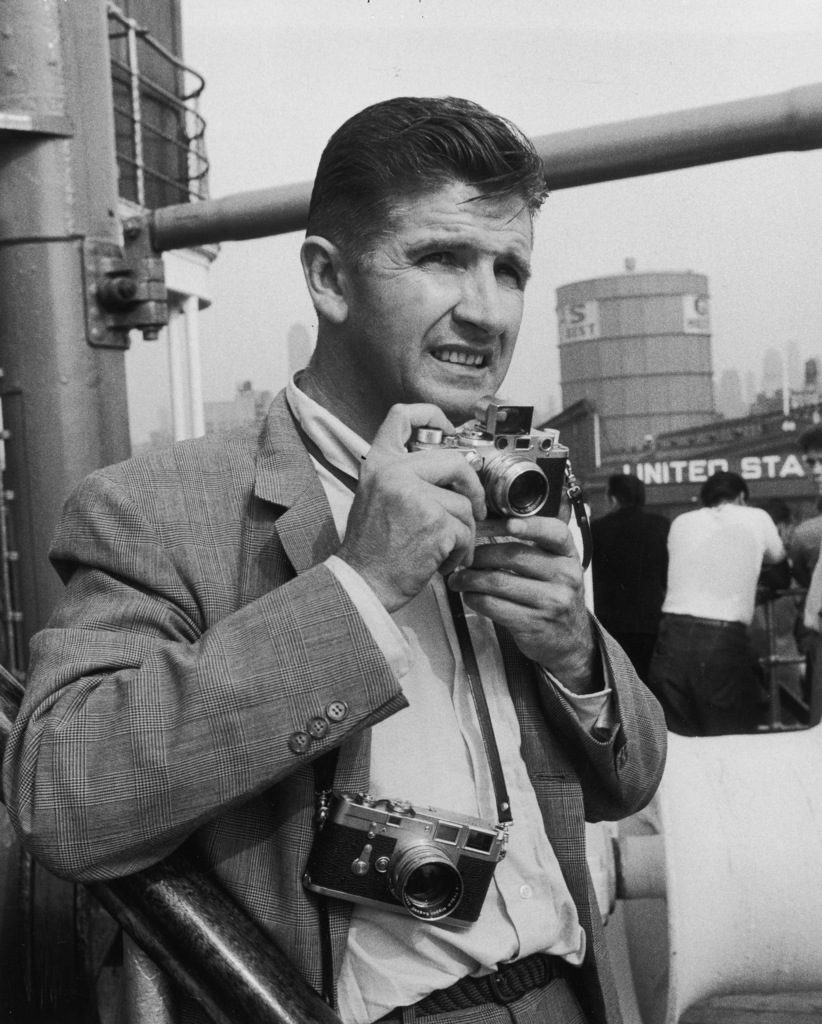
(514, 486)
(425, 881)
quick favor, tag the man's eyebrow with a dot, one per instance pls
(448, 241)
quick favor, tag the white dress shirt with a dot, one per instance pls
(431, 753)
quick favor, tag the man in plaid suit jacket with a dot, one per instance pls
(232, 612)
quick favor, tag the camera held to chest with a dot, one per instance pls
(425, 862)
(522, 470)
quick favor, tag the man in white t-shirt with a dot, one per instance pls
(704, 670)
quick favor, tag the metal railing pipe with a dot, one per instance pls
(256, 214)
(194, 931)
(209, 947)
(777, 123)
(780, 122)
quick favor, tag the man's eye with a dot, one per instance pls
(444, 259)
(510, 275)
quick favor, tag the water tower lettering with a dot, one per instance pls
(579, 321)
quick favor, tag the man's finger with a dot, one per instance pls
(395, 430)
(546, 532)
(449, 469)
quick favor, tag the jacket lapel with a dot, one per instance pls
(286, 477)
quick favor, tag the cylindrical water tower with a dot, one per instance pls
(638, 348)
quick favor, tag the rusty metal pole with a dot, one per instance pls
(64, 402)
(789, 120)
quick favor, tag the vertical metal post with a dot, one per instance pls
(136, 111)
(774, 703)
(176, 376)
(191, 311)
(64, 402)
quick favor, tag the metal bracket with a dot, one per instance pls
(125, 288)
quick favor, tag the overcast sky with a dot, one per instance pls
(283, 74)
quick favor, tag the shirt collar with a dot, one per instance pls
(339, 444)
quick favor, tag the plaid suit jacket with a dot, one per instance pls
(174, 696)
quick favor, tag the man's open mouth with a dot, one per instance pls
(463, 358)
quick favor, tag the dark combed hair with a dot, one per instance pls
(627, 489)
(722, 486)
(811, 439)
(404, 147)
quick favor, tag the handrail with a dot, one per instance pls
(197, 934)
(806, 708)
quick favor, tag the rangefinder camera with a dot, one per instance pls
(434, 865)
(522, 470)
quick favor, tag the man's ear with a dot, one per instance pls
(326, 276)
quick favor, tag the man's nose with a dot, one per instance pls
(480, 302)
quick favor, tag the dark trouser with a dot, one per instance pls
(706, 676)
(809, 643)
(554, 1004)
(640, 648)
(534, 990)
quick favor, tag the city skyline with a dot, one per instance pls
(752, 226)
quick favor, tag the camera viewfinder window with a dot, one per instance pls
(479, 841)
(447, 833)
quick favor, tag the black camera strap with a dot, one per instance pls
(577, 499)
(469, 660)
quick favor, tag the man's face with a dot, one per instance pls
(813, 466)
(435, 312)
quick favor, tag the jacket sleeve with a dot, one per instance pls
(142, 718)
(619, 768)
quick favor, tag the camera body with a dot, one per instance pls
(522, 470)
(434, 865)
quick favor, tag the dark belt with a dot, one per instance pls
(716, 623)
(506, 985)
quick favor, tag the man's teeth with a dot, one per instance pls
(455, 356)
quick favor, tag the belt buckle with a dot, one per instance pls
(501, 989)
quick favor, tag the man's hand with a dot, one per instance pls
(535, 589)
(413, 513)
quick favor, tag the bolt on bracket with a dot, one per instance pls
(125, 288)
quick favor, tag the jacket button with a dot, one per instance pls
(336, 710)
(318, 727)
(298, 742)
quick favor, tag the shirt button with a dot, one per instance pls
(526, 892)
(298, 742)
(317, 727)
(336, 710)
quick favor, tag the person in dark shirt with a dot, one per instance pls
(629, 568)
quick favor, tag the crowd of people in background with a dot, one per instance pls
(685, 597)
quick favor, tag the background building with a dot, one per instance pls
(247, 406)
(637, 347)
(638, 396)
(161, 161)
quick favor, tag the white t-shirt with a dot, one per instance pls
(715, 556)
